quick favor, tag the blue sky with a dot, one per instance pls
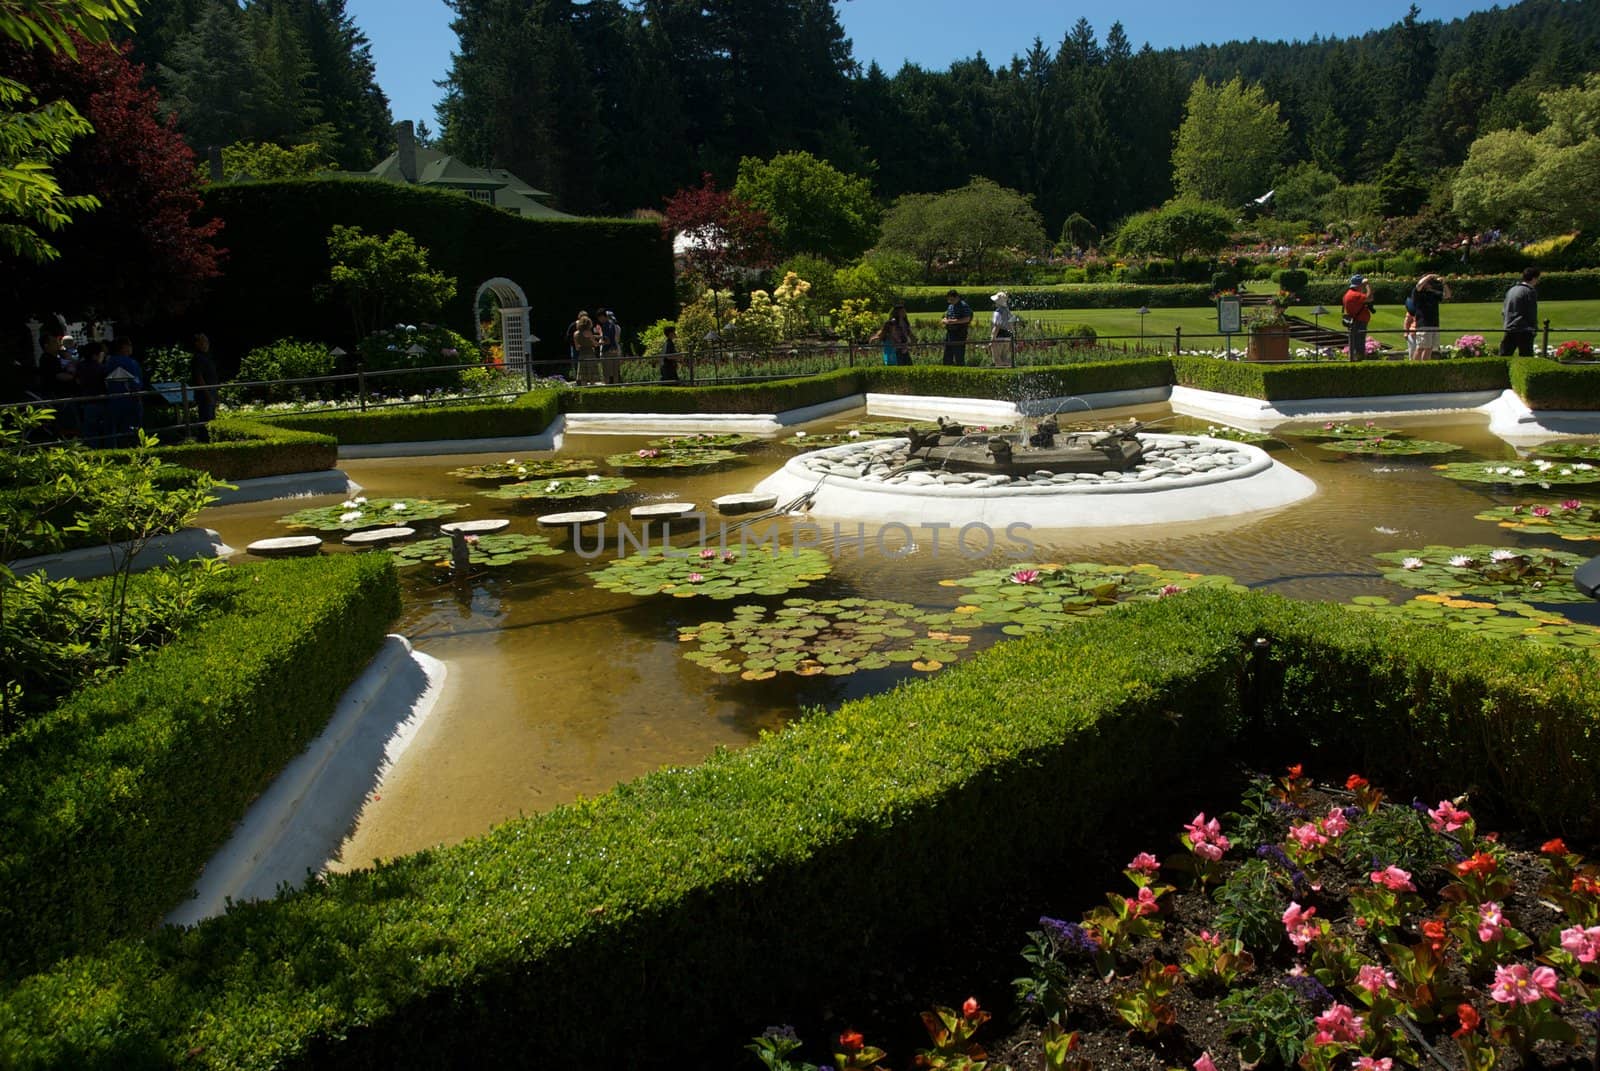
(411, 39)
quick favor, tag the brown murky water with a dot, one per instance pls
(558, 690)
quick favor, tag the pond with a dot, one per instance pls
(558, 689)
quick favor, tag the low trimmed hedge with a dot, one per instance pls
(110, 805)
(529, 414)
(771, 396)
(1047, 381)
(1339, 379)
(1548, 385)
(756, 881)
(1068, 296)
(1553, 286)
(245, 449)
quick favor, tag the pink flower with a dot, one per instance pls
(1548, 983)
(729, 556)
(1491, 922)
(1517, 985)
(1394, 879)
(1297, 923)
(1168, 589)
(1541, 511)
(1204, 1063)
(695, 578)
(1144, 905)
(1339, 1023)
(1144, 863)
(1025, 576)
(1307, 836)
(1582, 943)
(1447, 817)
(1207, 937)
(1205, 838)
(707, 552)
(1336, 823)
(1375, 979)
(1571, 504)
(1367, 1063)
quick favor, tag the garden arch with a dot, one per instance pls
(514, 337)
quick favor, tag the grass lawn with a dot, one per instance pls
(1566, 317)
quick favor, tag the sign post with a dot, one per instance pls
(1228, 319)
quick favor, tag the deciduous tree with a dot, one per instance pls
(812, 206)
(1229, 144)
(1176, 229)
(723, 233)
(384, 277)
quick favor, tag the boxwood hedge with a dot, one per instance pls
(110, 805)
(529, 414)
(1547, 385)
(695, 905)
(1339, 379)
(243, 449)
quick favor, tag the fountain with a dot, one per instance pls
(1120, 474)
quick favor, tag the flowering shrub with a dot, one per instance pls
(1470, 346)
(1574, 350)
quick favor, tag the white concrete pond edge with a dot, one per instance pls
(289, 485)
(1258, 485)
(548, 439)
(86, 562)
(296, 826)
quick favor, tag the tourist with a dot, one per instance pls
(1357, 313)
(57, 380)
(91, 377)
(669, 355)
(124, 385)
(610, 333)
(1409, 331)
(1425, 298)
(585, 344)
(1520, 316)
(957, 319)
(204, 379)
(895, 335)
(1002, 331)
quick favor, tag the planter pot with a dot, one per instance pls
(1268, 344)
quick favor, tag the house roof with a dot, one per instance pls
(435, 168)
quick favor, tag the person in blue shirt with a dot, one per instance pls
(957, 319)
(124, 385)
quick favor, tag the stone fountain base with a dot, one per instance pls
(1183, 478)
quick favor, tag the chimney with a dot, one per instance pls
(214, 161)
(406, 146)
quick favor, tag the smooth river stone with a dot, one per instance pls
(379, 536)
(748, 502)
(575, 519)
(669, 511)
(484, 527)
(302, 546)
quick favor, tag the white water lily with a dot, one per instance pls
(1501, 470)
(592, 478)
(552, 485)
(855, 434)
(1503, 555)
(361, 500)
(399, 507)
(1519, 473)
(799, 435)
(1460, 561)
(347, 504)
(353, 515)
(511, 461)
(1411, 563)
(1583, 467)
(1386, 531)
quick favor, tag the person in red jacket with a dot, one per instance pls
(1357, 313)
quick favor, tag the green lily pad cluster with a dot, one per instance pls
(1352, 430)
(1535, 473)
(562, 488)
(352, 515)
(1569, 451)
(713, 573)
(1029, 598)
(1238, 435)
(1571, 519)
(806, 441)
(654, 458)
(537, 469)
(706, 440)
(489, 550)
(1390, 447)
(833, 637)
(1503, 620)
(1498, 574)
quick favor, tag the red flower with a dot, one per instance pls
(1480, 863)
(1433, 932)
(1553, 847)
(970, 1007)
(1469, 1020)
(1355, 783)
(851, 1041)
(1586, 885)
(1295, 771)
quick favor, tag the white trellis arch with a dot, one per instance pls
(514, 337)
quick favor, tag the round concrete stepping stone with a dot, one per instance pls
(302, 546)
(376, 537)
(749, 502)
(575, 519)
(486, 527)
(662, 511)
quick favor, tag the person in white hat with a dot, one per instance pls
(1002, 331)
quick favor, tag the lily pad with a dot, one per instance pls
(489, 550)
(804, 441)
(1353, 430)
(562, 488)
(1238, 435)
(511, 469)
(352, 515)
(707, 440)
(1498, 574)
(1569, 451)
(1029, 598)
(1390, 447)
(879, 429)
(835, 637)
(1535, 473)
(1495, 620)
(713, 573)
(681, 458)
(1571, 519)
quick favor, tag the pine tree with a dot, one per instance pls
(210, 79)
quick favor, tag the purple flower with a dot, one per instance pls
(1309, 990)
(1069, 935)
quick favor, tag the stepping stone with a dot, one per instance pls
(378, 536)
(575, 519)
(303, 546)
(662, 511)
(750, 502)
(488, 527)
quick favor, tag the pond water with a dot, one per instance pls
(558, 689)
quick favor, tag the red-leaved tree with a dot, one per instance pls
(724, 233)
(146, 251)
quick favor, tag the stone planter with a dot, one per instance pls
(1268, 344)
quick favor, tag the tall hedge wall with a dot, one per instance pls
(780, 873)
(110, 805)
(277, 237)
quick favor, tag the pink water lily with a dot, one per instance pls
(649, 453)
(695, 578)
(1168, 589)
(708, 552)
(1394, 879)
(1447, 817)
(1025, 576)
(1339, 1023)
(1541, 511)
(1571, 504)
(1582, 943)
